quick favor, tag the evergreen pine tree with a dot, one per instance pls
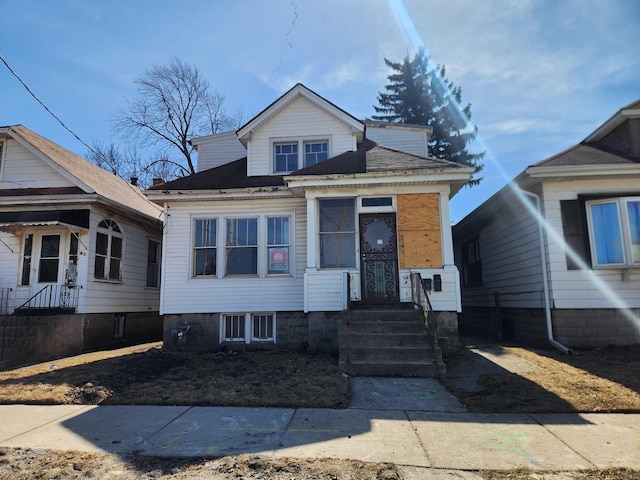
(418, 95)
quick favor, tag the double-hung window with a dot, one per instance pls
(278, 245)
(337, 233)
(241, 252)
(153, 263)
(204, 247)
(614, 231)
(109, 243)
(315, 152)
(287, 158)
(471, 265)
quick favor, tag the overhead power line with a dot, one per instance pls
(15, 74)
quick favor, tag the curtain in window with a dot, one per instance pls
(606, 233)
(633, 210)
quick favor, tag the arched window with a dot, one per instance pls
(109, 240)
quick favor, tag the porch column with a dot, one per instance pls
(311, 234)
(445, 228)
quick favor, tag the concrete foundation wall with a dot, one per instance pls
(58, 336)
(315, 332)
(572, 327)
(139, 327)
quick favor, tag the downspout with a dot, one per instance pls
(545, 276)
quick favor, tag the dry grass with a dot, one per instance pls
(21, 464)
(604, 380)
(152, 376)
(599, 380)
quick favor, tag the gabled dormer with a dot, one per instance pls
(298, 130)
(621, 133)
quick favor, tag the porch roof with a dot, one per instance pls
(10, 221)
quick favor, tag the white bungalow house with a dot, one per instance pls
(297, 216)
(80, 253)
(555, 255)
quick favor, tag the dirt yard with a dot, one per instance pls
(603, 380)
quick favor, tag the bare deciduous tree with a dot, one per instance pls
(174, 104)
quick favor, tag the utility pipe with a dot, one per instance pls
(545, 277)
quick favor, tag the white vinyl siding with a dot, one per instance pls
(301, 120)
(326, 291)
(130, 295)
(414, 141)
(243, 293)
(219, 149)
(23, 169)
(510, 256)
(580, 288)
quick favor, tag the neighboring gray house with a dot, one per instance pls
(80, 253)
(555, 255)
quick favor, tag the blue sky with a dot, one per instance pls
(540, 74)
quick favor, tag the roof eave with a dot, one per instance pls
(382, 178)
(613, 122)
(572, 171)
(162, 196)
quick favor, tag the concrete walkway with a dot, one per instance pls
(413, 423)
(442, 438)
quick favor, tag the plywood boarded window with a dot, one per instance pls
(420, 240)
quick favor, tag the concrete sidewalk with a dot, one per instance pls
(412, 422)
(445, 438)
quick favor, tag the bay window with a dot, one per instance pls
(259, 246)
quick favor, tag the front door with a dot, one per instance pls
(379, 258)
(49, 258)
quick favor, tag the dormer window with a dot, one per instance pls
(286, 158)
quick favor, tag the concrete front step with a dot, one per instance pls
(388, 341)
(385, 327)
(386, 368)
(391, 338)
(388, 352)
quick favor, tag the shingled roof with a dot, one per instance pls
(582, 155)
(229, 175)
(368, 158)
(371, 157)
(89, 177)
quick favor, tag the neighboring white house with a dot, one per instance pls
(574, 276)
(258, 248)
(80, 251)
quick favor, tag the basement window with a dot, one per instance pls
(119, 322)
(248, 327)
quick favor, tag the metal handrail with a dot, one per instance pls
(52, 297)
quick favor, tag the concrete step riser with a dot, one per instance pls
(389, 369)
(384, 339)
(384, 327)
(385, 317)
(399, 354)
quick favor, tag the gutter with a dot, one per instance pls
(545, 275)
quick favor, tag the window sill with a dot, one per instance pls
(102, 280)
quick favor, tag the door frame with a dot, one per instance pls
(395, 298)
(36, 256)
